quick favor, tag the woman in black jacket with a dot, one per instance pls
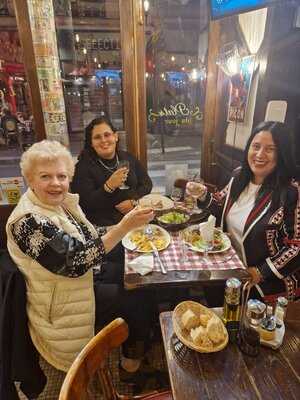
(99, 177)
(260, 208)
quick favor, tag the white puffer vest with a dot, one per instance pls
(61, 310)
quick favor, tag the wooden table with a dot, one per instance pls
(182, 278)
(231, 375)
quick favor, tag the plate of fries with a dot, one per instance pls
(136, 240)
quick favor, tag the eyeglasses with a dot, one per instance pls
(103, 136)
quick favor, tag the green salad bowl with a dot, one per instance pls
(173, 220)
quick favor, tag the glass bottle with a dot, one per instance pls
(280, 310)
(231, 309)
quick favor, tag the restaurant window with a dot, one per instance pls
(176, 50)
(88, 38)
(17, 127)
(17, 124)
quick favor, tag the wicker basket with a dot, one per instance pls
(184, 335)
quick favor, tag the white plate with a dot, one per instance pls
(129, 245)
(225, 239)
(153, 198)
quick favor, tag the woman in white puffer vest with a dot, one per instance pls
(57, 248)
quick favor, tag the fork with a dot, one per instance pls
(149, 233)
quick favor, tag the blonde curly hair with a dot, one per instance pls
(43, 152)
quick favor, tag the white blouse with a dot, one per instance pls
(238, 214)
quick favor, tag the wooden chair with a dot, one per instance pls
(92, 360)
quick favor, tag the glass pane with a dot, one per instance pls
(17, 125)
(88, 36)
(176, 50)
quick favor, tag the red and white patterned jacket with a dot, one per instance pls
(271, 238)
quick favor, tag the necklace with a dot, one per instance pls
(113, 168)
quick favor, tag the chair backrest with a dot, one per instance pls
(92, 360)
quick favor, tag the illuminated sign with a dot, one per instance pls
(178, 114)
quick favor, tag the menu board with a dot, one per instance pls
(11, 189)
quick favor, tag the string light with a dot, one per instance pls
(146, 5)
(95, 59)
(172, 58)
(84, 50)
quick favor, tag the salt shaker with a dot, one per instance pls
(255, 312)
(280, 310)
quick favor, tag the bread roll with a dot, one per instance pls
(198, 335)
(215, 330)
(204, 318)
(189, 320)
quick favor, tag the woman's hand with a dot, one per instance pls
(136, 218)
(255, 275)
(125, 206)
(117, 178)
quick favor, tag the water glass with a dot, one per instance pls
(124, 164)
(176, 195)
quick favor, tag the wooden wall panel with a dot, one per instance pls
(133, 68)
(23, 23)
(210, 117)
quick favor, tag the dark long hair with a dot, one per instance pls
(285, 170)
(90, 127)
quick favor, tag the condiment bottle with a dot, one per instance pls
(280, 310)
(231, 309)
(255, 312)
(268, 325)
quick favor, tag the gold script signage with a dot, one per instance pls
(177, 114)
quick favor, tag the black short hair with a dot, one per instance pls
(90, 127)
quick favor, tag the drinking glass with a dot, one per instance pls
(123, 164)
(208, 243)
(194, 190)
(176, 195)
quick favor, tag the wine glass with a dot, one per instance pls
(124, 164)
(176, 195)
(207, 239)
(195, 190)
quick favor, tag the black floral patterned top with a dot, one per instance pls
(56, 250)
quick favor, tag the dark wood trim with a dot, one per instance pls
(25, 36)
(133, 67)
(212, 93)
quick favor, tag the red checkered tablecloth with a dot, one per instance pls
(172, 257)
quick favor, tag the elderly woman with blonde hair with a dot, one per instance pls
(57, 249)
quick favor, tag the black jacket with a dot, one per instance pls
(271, 238)
(88, 181)
(19, 360)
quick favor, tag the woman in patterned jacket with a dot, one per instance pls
(260, 208)
(70, 288)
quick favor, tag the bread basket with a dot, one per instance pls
(184, 335)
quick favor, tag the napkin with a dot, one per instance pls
(142, 264)
(207, 229)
